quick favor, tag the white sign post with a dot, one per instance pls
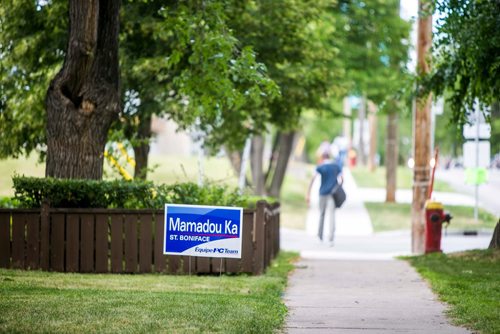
(476, 149)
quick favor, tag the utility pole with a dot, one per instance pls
(421, 130)
(361, 142)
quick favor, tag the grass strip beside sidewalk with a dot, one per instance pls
(42, 302)
(397, 216)
(469, 283)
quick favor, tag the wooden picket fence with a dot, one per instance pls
(123, 241)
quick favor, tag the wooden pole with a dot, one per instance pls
(421, 131)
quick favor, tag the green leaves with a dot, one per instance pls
(185, 63)
(374, 48)
(30, 192)
(31, 44)
(466, 54)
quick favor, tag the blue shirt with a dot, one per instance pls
(329, 172)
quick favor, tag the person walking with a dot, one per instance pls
(331, 175)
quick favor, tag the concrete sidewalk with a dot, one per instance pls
(338, 296)
(357, 286)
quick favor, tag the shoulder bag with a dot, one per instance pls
(339, 195)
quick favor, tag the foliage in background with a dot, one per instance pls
(375, 52)
(295, 41)
(467, 281)
(319, 128)
(183, 60)
(31, 192)
(179, 59)
(9, 202)
(87, 303)
(32, 46)
(466, 55)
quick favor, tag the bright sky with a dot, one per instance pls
(409, 11)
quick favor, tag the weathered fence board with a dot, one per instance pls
(123, 241)
(101, 243)
(4, 239)
(87, 243)
(45, 238)
(159, 259)
(57, 242)
(33, 241)
(72, 242)
(18, 241)
(130, 243)
(145, 243)
(116, 243)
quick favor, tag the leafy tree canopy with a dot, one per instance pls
(183, 60)
(32, 46)
(466, 54)
(294, 40)
(179, 59)
(376, 47)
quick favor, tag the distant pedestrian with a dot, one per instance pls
(323, 148)
(331, 175)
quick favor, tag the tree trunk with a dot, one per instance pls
(256, 162)
(235, 160)
(391, 157)
(495, 239)
(141, 151)
(361, 143)
(421, 133)
(283, 156)
(372, 118)
(347, 121)
(83, 99)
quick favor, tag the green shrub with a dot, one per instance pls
(8, 203)
(30, 192)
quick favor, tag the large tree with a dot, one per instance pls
(292, 39)
(178, 59)
(182, 60)
(83, 98)
(376, 56)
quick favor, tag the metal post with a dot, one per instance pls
(476, 186)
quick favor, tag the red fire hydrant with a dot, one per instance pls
(434, 219)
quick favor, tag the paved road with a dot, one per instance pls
(488, 193)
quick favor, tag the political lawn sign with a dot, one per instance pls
(198, 230)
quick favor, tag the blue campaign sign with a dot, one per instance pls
(199, 230)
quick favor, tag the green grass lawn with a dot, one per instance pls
(42, 302)
(376, 179)
(397, 216)
(173, 169)
(28, 166)
(293, 204)
(469, 282)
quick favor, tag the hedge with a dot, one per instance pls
(31, 192)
